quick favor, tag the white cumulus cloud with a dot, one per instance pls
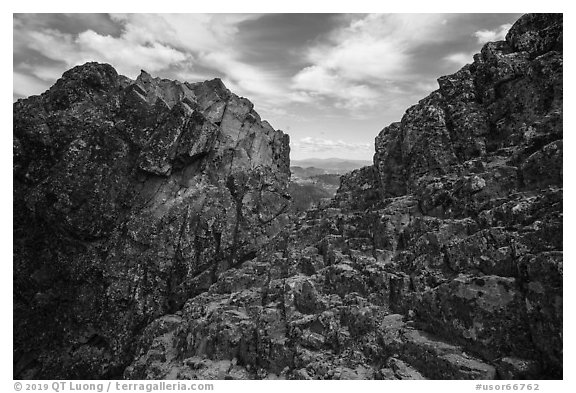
(460, 58)
(361, 61)
(498, 34)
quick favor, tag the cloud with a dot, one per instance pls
(460, 58)
(26, 85)
(210, 42)
(189, 32)
(316, 82)
(127, 56)
(355, 67)
(498, 34)
(45, 72)
(246, 78)
(362, 60)
(321, 145)
(482, 37)
(192, 45)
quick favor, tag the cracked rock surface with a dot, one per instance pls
(130, 198)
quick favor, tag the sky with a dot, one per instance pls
(331, 81)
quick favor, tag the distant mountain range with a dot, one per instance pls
(298, 171)
(331, 165)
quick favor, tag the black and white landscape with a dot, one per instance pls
(312, 200)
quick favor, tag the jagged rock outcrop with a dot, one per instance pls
(443, 260)
(479, 261)
(129, 198)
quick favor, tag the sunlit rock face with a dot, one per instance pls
(129, 198)
(151, 239)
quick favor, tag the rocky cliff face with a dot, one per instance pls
(131, 197)
(466, 197)
(150, 239)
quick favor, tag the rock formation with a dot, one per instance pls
(131, 197)
(151, 239)
(466, 200)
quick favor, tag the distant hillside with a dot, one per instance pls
(303, 173)
(309, 186)
(328, 179)
(304, 195)
(331, 165)
(314, 179)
